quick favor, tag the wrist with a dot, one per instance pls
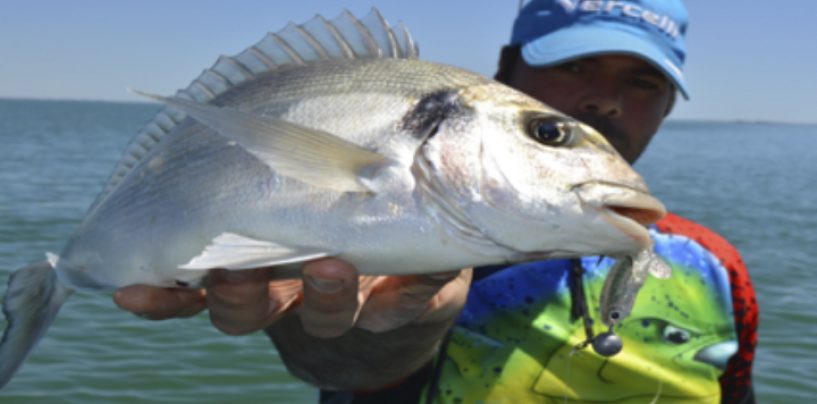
(358, 360)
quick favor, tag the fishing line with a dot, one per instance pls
(658, 393)
(569, 371)
(605, 344)
(578, 308)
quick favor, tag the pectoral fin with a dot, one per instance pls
(233, 251)
(313, 156)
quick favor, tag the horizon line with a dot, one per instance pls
(668, 120)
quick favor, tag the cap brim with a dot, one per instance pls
(583, 41)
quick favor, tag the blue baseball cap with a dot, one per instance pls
(555, 31)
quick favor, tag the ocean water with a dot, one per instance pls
(755, 183)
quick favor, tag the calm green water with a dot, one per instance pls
(754, 183)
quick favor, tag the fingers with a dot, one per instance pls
(331, 302)
(160, 303)
(399, 300)
(449, 301)
(241, 302)
(331, 298)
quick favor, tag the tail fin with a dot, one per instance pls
(33, 298)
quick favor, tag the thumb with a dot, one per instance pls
(160, 303)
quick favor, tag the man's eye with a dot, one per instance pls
(645, 84)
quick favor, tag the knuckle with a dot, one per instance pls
(328, 323)
(230, 301)
(234, 297)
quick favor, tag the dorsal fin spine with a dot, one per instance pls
(367, 35)
(204, 88)
(287, 48)
(164, 121)
(409, 48)
(341, 41)
(155, 137)
(224, 79)
(213, 80)
(389, 34)
(319, 49)
(262, 57)
(248, 74)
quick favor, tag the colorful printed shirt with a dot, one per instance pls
(515, 340)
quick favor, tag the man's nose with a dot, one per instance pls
(604, 102)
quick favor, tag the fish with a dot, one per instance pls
(332, 139)
(625, 280)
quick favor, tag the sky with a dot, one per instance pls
(747, 60)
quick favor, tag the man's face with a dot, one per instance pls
(623, 97)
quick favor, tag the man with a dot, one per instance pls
(615, 65)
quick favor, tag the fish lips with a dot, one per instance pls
(627, 208)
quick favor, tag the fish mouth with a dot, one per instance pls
(627, 208)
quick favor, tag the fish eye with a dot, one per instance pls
(551, 131)
(675, 335)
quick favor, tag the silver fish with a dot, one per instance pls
(331, 139)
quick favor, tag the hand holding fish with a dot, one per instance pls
(393, 326)
(409, 315)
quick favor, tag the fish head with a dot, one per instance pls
(535, 181)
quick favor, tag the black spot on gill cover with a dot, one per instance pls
(424, 119)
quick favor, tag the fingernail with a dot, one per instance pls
(325, 285)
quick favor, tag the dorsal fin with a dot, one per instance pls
(345, 37)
